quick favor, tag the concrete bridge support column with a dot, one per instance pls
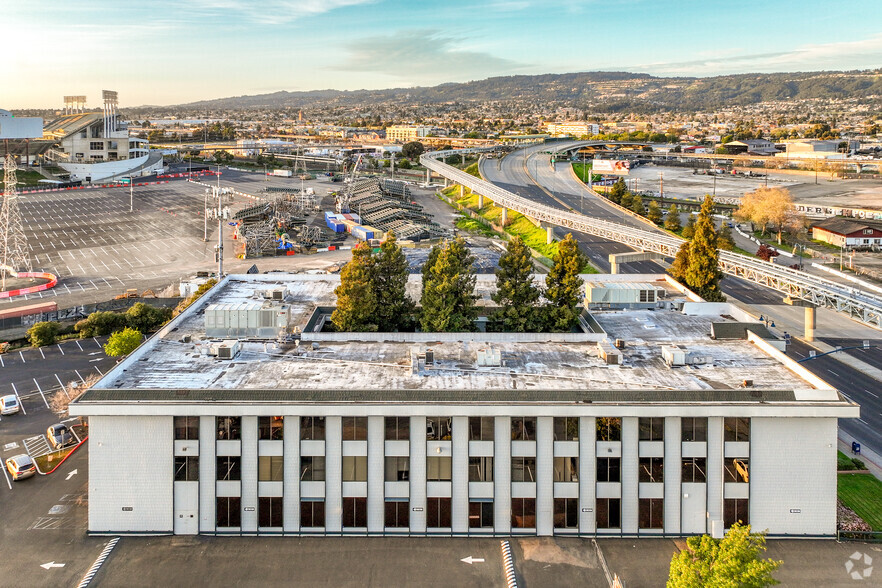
(810, 323)
(461, 191)
(549, 235)
(428, 176)
(480, 201)
(504, 218)
(613, 266)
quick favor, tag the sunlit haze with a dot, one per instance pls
(166, 52)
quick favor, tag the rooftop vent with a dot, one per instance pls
(489, 357)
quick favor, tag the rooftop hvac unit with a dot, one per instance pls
(489, 357)
(225, 350)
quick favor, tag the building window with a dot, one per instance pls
(312, 469)
(438, 468)
(566, 469)
(355, 468)
(736, 470)
(270, 428)
(269, 511)
(312, 513)
(651, 428)
(187, 428)
(694, 470)
(523, 429)
(480, 469)
(229, 428)
(355, 512)
(652, 469)
(397, 513)
(397, 428)
(609, 429)
(566, 428)
(355, 428)
(523, 469)
(609, 469)
(736, 429)
(96, 146)
(229, 467)
(187, 469)
(481, 428)
(693, 429)
(270, 468)
(566, 513)
(312, 428)
(438, 428)
(438, 513)
(397, 469)
(229, 511)
(609, 513)
(481, 515)
(735, 510)
(651, 513)
(523, 513)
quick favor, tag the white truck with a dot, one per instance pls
(283, 173)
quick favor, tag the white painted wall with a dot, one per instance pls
(793, 467)
(131, 465)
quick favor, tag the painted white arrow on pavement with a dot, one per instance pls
(471, 560)
(71, 475)
(51, 564)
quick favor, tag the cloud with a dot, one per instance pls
(423, 56)
(273, 11)
(860, 54)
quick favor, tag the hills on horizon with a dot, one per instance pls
(601, 91)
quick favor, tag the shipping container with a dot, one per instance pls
(284, 173)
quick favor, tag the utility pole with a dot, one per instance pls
(131, 194)
(220, 236)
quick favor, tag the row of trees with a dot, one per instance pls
(372, 295)
(670, 219)
(140, 318)
(771, 207)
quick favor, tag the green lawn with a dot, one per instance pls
(863, 494)
(846, 462)
(518, 224)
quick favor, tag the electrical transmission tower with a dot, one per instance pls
(13, 246)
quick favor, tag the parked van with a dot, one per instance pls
(9, 404)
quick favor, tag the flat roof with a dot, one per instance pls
(166, 368)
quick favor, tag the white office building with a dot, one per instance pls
(639, 424)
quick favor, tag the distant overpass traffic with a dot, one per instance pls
(816, 291)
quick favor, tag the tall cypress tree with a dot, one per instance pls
(394, 311)
(516, 294)
(356, 298)
(702, 273)
(672, 219)
(564, 286)
(448, 290)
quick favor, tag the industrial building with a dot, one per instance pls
(246, 415)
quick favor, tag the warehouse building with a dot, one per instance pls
(638, 423)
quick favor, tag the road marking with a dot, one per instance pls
(472, 560)
(834, 373)
(21, 355)
(71, 475)
(871, 394)
(60, 349)
(5, 475)
(51, 564)
(10, 446)
(41, 352)
(78, 344)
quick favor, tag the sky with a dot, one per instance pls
(164, 52)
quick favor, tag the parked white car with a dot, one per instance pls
(9, 404)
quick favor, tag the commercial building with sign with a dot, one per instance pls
(639, 423)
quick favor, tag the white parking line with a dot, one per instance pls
(5, 475)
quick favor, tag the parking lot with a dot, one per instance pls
(34, 375)
(98, 248)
